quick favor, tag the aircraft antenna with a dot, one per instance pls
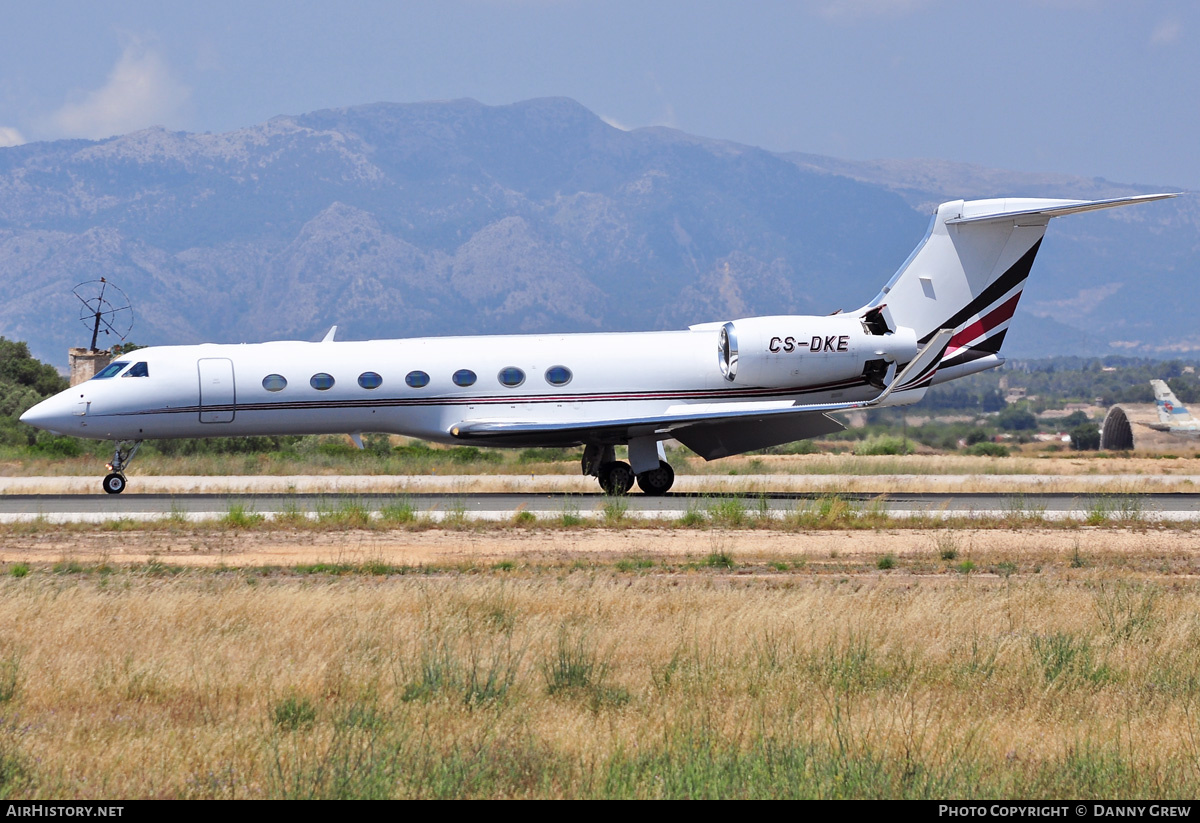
(105, 308)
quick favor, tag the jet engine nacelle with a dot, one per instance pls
(791, 350)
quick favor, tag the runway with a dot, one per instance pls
(435, 506)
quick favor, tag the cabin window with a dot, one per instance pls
(464, 378)
(558, 375)
(110, 370)
(370, 380)
(274, 382)
(321, 382)
(511, 376)
(417, 379)
(141, 369)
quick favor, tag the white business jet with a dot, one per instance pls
(719, 388)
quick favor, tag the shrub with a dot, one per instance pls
(56, 445)
(1085, 437)
(883, 444)
(988, 449)
(1016, 418)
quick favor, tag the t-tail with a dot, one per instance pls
(1171, 413)
(968, 273)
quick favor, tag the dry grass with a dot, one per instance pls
(1066, 471)
(1159, 551)
(628, 673)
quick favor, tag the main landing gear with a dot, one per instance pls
(114, 482)
(617, 476)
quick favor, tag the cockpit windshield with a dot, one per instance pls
(138, 370)
(111, 370)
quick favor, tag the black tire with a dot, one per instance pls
(114, 483)
(657, 482)
(616, 477)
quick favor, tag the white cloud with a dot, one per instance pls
(616, 124)
(10, 137)
(666, 117)
(1166, 32)
(139, 92)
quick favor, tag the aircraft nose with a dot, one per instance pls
(51, 415)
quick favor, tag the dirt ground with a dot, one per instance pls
(442, 548)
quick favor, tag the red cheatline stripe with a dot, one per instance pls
(985, 324)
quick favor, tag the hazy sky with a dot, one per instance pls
(1088, 87)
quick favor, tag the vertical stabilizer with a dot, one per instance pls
(1170, 410)
(969, 271)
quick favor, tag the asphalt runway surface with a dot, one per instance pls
(500, 505)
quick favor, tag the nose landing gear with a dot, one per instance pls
(114, 482)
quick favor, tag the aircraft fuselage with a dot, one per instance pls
(415, 387)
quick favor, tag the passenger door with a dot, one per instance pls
(217, 397)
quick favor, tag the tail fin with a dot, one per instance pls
(1170, 410)
(969, 271)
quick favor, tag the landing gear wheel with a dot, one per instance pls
(123, 453)
(658, 481)
(616, 477)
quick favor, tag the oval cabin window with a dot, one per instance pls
(321, 382)
(464, 378)
(417, 379)
(370, 380)
(511, 377)
(274, 382)
(558, 375)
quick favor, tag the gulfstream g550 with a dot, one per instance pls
(719, 388)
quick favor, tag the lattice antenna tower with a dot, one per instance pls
(105, 308)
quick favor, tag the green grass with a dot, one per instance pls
(400, 511)
(720, 559)
(239, 516)
(615, 510)
(293, 713)
(728, 512)
(347, 513)
(569, 517)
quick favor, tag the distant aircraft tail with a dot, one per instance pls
(968, 274)
(1170, 410)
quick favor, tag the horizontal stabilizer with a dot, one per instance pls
(1045, 209)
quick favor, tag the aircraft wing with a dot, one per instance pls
(712, 430)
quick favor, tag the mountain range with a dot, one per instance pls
(397, 220)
